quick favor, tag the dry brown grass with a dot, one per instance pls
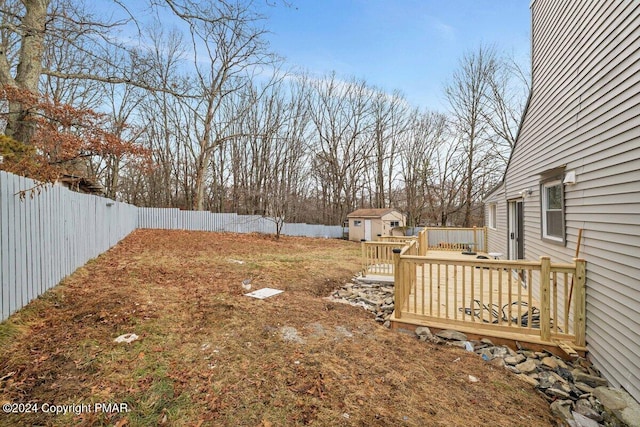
(208, 355)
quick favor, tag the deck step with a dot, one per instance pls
(567, 349)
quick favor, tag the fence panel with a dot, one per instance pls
(48, 234)
(174, 219)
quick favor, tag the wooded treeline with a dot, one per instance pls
(210, 118)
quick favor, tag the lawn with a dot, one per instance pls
(206, 355)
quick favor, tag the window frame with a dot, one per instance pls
(357, 222)
(545, 186)
(493, 216)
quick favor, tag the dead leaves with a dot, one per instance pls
(178, 291)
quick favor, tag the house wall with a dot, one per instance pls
(497, 234)
(584, 113)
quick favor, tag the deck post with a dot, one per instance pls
(365, 261)
(397, 283)
(475, 238)
(486, 239)
(545, 298)
(580, 295)
(423, 241)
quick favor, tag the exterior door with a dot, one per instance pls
(367, 230)
(516, 229)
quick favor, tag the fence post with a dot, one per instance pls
(580, 295)
(397, 283)
(545, 299)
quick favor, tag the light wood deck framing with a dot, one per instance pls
(437, 286)
(450, 291)
(518, 300)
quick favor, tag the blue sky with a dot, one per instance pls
(410, 45)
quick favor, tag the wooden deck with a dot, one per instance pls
(537, 302)
(471, 293)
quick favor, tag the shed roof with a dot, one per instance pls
(371, 213)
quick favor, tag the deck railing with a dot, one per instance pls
(377, 257)
(512, 298)
(396, 239)
(453, 238)
(540, 299)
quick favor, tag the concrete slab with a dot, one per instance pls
(373, 278)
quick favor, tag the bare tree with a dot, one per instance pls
(340, 115)
(467, 95)
(23, 28)
(390, 121)
(506, 101)
(234, 46)
(419, 161)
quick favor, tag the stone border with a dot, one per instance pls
(578, 394)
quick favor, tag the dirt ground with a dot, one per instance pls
(206, 355)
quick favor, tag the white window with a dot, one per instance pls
(493, 216)
(395, 224)
(553, 211)
(357, 223)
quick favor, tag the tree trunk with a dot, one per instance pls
(29, 68)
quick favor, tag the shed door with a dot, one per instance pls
(367, 230)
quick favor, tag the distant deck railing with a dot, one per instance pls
(396, 239)
(377, 257)
(454, 238)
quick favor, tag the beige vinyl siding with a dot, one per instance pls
(584, 113)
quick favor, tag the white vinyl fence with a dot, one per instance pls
(176, 219)
(48, 234)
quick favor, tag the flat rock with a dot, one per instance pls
(583, 407)
(527, 367)
(590, 380)
(582, 421)
(486, 341)
(449, 334)
(459, 344)
(512, 369)
(562, 410)
(556, 392)
(623, 406)
(290, 334)
(550, 362)
(498, 362)
(500, 352)
(514, 360)
(423, 331)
